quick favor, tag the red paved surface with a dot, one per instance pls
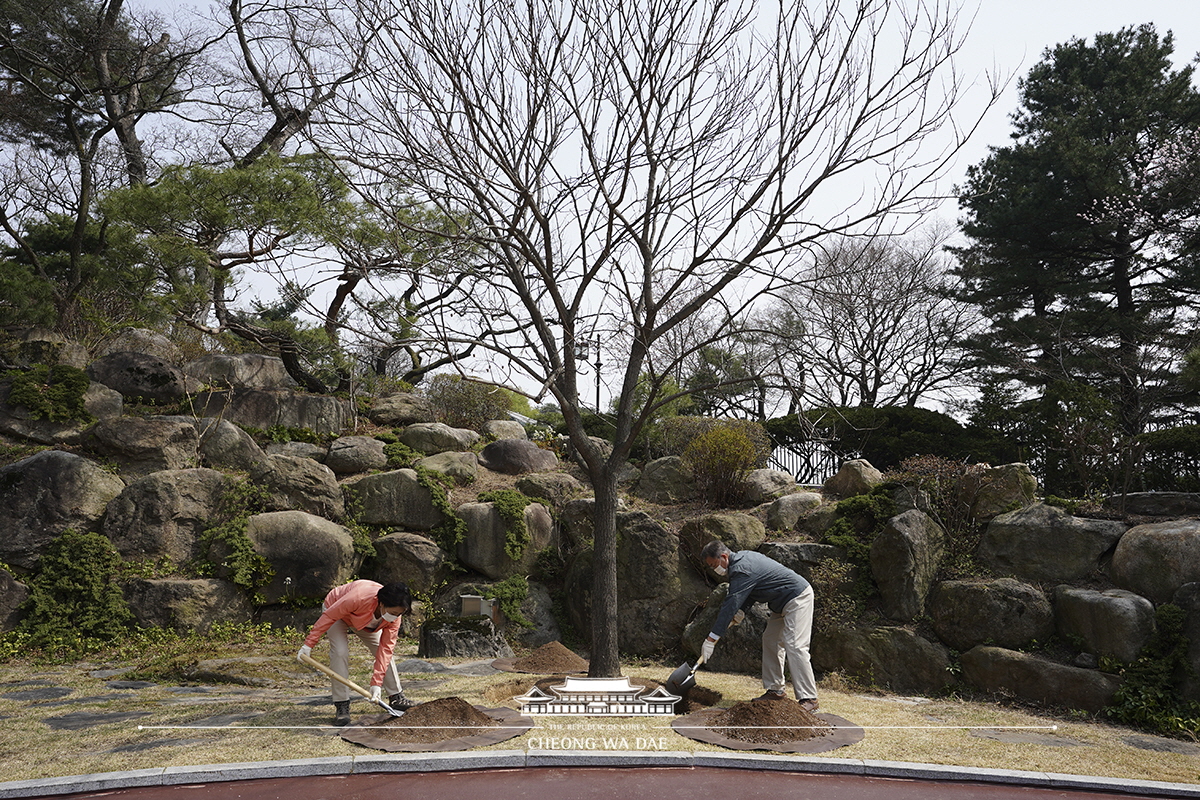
(590, 783)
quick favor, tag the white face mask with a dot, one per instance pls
(391, 617)
(719, 570)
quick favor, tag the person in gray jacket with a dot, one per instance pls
(755, 578)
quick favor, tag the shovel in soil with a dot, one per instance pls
(683, 678)
(319, 667)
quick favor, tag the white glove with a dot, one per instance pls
(304, 652)
(376, 694)
(706, 650)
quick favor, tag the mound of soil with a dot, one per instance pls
(769, 722)
(550, 658)
(435, 721)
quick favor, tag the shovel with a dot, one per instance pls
(319, 667)
(683, 678)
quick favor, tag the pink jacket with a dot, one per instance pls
(354, 603)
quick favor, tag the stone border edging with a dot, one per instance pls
(511, 759)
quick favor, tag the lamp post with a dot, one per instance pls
(584, 347)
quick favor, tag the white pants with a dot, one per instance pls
(786, 640)
(339, 659)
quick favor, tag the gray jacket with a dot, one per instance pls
(755, 578)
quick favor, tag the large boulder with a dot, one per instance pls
(784, 513)
(186, 605)
(462, 468)
(44, 495)
(896, 658)
(1155, 560)
(905, 557)
(517, 457)
(13, 595)
(408, 557)
(1113, 623)
(1027, 677)
(263, 409)
(432, 438)
(241, 371)
(44, 346)
(309, 554)
(141, 377)
(737, 531)
(462, 638)
(402, 409)
(223, 445)
(299, 484)
(1003, 612)
(740, 649)
(504, 429)
(538, 610)
(163, 514)
(351, 455)
(141, 446)
(807, 559)
(99, 401)
(855, 477)
(394, 498)
(1003, 489)
(489, 544)
(1157, 504)
(142, 340)
(1043, 543)
(665, 481)
(553, 487)
(764, 485)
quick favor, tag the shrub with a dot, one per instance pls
(951, 488)
(511, 593)
(1171, 460)
(511, 505)
(1147, 697)
(52, 393)
(248, 569)
(462, 403)
(721, 457)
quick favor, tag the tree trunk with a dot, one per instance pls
(605, 657)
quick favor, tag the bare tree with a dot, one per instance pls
(627, 165)
(879, 328)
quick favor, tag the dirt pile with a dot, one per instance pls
(769, 722)
(435, 721)
(551, 658)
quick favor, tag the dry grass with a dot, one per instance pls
(289, 721)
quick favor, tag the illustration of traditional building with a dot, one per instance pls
(598, 696)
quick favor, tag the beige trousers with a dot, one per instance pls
(786, 640)
(339, 659)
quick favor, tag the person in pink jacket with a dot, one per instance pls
(372, 611)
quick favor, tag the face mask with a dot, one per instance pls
(391, 617)
(719, 570)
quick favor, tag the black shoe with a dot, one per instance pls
(341, 713)
(399, 702)
(772, 695)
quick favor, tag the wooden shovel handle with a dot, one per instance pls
(319, 667)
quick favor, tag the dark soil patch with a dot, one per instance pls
(435, 721)
(698, 697)
(769, 722)
(550, 658)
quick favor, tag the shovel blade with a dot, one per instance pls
(682, 679)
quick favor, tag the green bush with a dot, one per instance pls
(1147, 697)
(952, 488)
(721, 457)
(511, 505)
(227, 533)
(74, 595)
(1171, 460)
(511, 593)
(462, 403)
(54, 393)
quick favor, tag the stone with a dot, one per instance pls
(264, 409)
(185, 605)
(905, 557)
(44, 495)
(401, 409)
(538, 610)
(784, 513)
(486, 545)
(143, 446)
(1043, 543)
(393, 498)
(302, 449)
(1002, 489)
(764, 485)
(1113, 623)
(815, 522)
(854, 477)
(143, 340)
(99, 401)
(141, 377)
(504, 429)
(895, 658)
(1156, 504)
(44, 346)
(300, 484)
(736, 530)
(1002, 611)
(163, 514)
(517, 457)
(666, 481)
(223, 445)
(432, 438)
(462, 637)
(804, 558)
(553, 487)
(461, 467)
(1156, 559)
(241, 371)
(740, 648)
(310, 555)
(1027, 677)
(12, 594)
(351, 455)
(409, 557)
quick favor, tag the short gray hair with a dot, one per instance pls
(714, 549)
